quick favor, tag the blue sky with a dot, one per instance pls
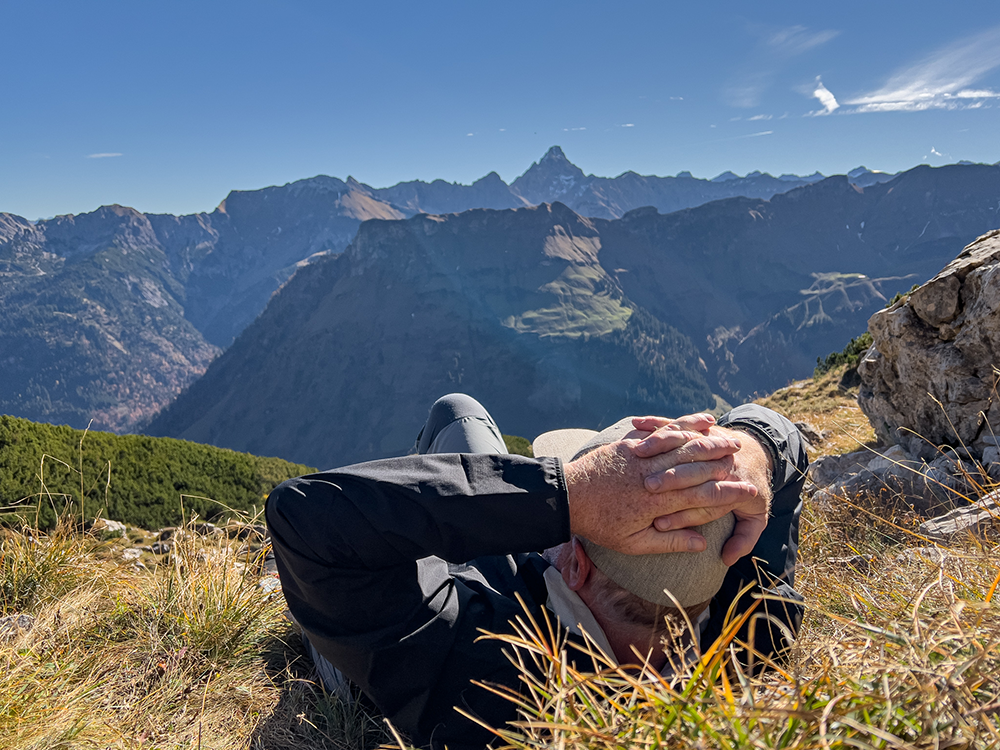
(167, 106)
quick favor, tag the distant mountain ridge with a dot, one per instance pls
(110, 314)
(557, 320)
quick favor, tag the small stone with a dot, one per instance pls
(161, 548)
(12, 626)
(244, 531)
(991, 455)
(933, 555)
(890, 458)
(107, 529)
(206, 529)
(810, 432)
(978, 519)
(167, 533)
(132, 553)
(270, 585)
(826, 470)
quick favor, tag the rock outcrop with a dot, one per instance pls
(930, 378)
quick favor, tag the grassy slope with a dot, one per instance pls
(144, 481)
(898, 649)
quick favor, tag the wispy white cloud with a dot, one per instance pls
(756, 135)
(795, 40)
(826, 99)
(936, 152)
(102, 156)
(469, 134)
(570, 130)
(627, 125)
(677, 98)
(939, 81)
(759, 117)
(774, 51)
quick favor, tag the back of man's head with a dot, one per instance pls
(676, 579)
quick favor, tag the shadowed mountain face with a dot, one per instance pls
(765, 287)
(512, 307)
(93, 321)
(555, 320)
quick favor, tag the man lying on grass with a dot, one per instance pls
(393, 568)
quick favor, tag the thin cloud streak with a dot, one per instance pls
(774, 51)
(102, 156)
(798, 39)
(940, 81)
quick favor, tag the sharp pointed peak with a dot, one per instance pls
(555, 152)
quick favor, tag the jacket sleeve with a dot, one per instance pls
(772, 563)
(370, 563)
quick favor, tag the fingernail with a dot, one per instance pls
(737, 443)
(695, 544)
(653, 483)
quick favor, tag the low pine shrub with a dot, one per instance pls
(145, 481)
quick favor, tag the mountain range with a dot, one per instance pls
(554, 319)
(108, 315)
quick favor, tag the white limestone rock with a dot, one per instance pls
(928, 380)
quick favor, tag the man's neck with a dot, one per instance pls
(627, 640)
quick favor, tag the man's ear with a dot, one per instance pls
(578, 566)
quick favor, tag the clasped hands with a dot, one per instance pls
(642, 494)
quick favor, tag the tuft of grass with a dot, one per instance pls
(38, 569)
(191, 654)
(850, 355)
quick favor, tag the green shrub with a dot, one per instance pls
(901, 295)
(144, 481)
(518, 446)
(850, 356)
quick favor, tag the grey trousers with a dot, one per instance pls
(459, 424)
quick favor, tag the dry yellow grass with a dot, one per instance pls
(825, 404)
(191, 655)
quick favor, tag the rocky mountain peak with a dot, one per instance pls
(115, 225)
(555, 154)
(12, 226)
(553, 177)
(490, 180)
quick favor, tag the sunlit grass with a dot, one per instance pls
(190, 654)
